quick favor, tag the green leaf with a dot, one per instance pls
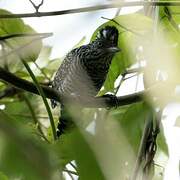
(87, 163)
(174, 11)
(44, 56)
(131, 28)
(131, 123)
(19, 107)
(166, 50)
(17, 26)
(52, 66)
(161, 142)
(131, 120)
(21, 154)
(3, 176)
(74, 146)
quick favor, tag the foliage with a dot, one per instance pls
(106, 142)
(17, 26)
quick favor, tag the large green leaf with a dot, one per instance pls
(132, 122)
(132, 27)
(74, 146)
(174, 12)
(17, 107)
(17, 26)
(3, 176)
(163, 51)
(21, 154)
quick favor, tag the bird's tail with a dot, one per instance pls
(65, 121)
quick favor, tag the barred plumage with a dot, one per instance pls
(84, 69)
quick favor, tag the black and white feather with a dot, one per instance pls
(84, 69)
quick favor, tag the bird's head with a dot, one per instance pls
(108, 38)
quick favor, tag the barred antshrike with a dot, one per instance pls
(84, 70)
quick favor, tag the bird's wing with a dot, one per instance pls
(61, 75)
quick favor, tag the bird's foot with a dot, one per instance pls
(113, 98)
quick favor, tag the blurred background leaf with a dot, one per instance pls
(17, 26)
(23, 156)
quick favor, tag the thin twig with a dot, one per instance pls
(36, 7)
(93, 8)
(120, 83)
(130, 77)
(72, 172)
(122, 26)
(134, 70)
(70, 175)
(73, 166)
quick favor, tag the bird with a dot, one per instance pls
(84, 70)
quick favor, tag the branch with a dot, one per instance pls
(97, 102)
(93, 8)
(9, 92)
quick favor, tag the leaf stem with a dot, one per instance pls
(40, 90)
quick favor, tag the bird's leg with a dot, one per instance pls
(65, 121)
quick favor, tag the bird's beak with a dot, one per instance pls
(114, 49)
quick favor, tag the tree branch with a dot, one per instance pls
(27, 85)
(9, 92)
(93, 8)
(97, 102)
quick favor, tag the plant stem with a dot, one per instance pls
(41, 92)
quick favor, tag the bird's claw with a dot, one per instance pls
(113, 98)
